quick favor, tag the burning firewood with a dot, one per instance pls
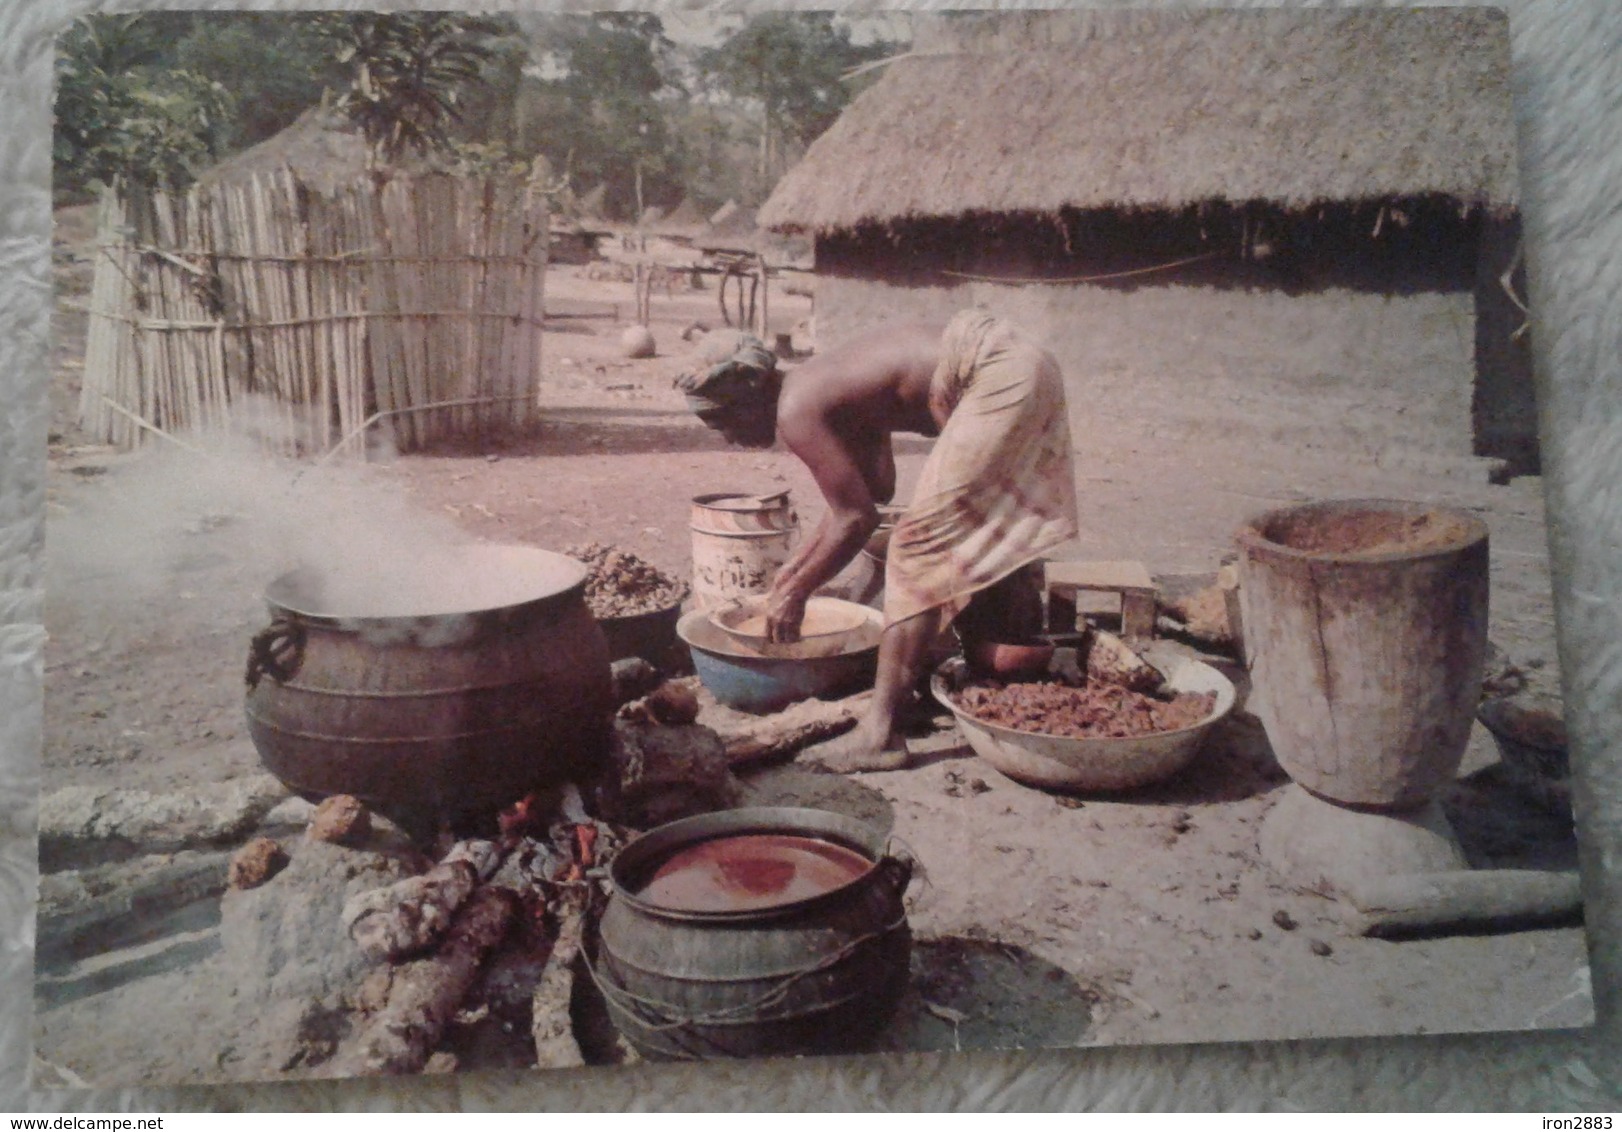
(404, 918)
(521, 818)
(424, 995)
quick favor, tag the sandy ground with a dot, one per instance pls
(1148, 917)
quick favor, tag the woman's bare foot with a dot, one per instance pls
(856, 752)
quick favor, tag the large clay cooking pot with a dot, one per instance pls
(456, 696)
(819, 971)
(1366, 625)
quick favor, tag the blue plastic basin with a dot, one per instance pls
(752, 683)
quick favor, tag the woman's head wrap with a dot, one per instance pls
(746, 379)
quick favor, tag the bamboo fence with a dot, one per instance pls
(302, 319)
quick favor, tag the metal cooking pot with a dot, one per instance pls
(431, 715)
(816, 975)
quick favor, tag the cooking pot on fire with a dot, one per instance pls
(435, 699)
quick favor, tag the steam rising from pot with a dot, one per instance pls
(214, 524)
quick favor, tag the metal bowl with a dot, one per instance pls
(1008, 660)
(749, 682)
(831, 627)
(1057, 762)
(650, 635)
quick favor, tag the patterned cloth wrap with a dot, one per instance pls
(746, 377)
(999, 489)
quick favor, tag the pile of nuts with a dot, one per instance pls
(619, 584)
(1094, 711)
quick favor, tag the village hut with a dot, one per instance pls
(1286, 225)
(321, 147)
(683, 220)
(590, 206)
(726, 214)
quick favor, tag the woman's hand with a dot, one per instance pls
(785, 611)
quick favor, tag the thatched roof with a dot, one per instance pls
(1166, 109)
(320, 146)
(590, 206)
(731, 219)
(684, 219)
(723, 214)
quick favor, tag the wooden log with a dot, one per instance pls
(409, 915)
(533, 285)
(273, 313)
(107, 335)
(1427, 903)
(424, 995)
(763, 332)
(503, 337)
(754, 738)
(550, 1025)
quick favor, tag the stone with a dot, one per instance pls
(673, 704)
(106, 907)
(1318, 845)
(86, 825)
(255, 863)
(632, 678)
(637, 342)
(289, 816)
(1464, 899)
(717, 346)
(340, 819)
(665, 773)
(286, 938)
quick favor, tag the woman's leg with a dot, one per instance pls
(875, 744)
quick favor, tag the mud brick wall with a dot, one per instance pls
(1340, 370)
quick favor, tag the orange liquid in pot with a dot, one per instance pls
(755, 870)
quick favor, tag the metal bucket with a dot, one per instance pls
(816, 975)
(739, 544)
(1366, 630)
(435, 713)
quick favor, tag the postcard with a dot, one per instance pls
(577, 540)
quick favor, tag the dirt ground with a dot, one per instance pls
(1043, 920)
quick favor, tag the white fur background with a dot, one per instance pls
(1568, 88)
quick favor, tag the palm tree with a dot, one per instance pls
(407, 72)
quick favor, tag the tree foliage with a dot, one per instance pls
(793, 66)
(601, 112)
(605, 99)
(122, 116)
(407, 73)
(273, 62)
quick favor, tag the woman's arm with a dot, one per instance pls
(839, 463)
